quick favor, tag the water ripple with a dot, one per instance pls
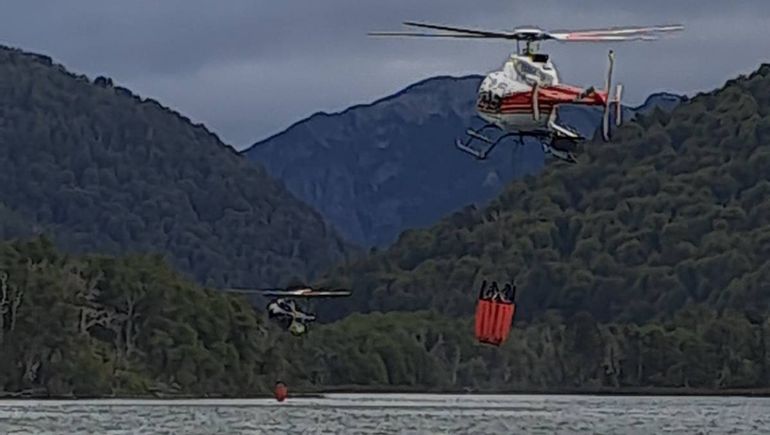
(393, 413)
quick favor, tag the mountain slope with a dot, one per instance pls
(378, 169)
(105, 171)
(676, 211)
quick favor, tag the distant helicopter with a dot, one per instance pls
(521, 99)
(285, 310)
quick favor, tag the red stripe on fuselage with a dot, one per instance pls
(514, 112)
(526, 106)
(553, 95)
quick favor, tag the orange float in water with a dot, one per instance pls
(280, 391)
(494, 313)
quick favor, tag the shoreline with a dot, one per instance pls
(600, 391)
(320, 393)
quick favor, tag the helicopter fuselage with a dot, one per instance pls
(523, 94)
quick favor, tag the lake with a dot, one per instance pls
(393, 413)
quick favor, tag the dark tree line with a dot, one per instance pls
(101, 325)
(104, 326)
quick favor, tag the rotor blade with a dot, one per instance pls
(426, 35)
(600, 38)
(328, 293)
(649, 33)
(308, 293)
(295, 293)
(484, 33)
(245, 290)
(627, 30)
(268, 292)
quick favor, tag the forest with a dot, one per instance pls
(101, 170)
(675, 211)
(646, 265)
(99, 326)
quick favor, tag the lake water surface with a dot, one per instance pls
(393, 413)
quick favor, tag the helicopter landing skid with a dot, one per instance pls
(476, 134)
(559, 142)
(562, 155)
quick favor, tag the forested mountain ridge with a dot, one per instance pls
(103, 170)
(674, 211)
(377, 169)
(600, 306)
(97, 326)
(647, 265)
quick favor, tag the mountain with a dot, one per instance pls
(103, 170)
(12, 225)
(375, 170)
(674, 212)
(646, 266)
(665, 101)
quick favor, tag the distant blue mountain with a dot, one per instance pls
(377, 169)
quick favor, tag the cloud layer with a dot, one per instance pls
(249, 68)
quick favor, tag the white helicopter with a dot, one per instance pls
(522, 98)
(285, 310)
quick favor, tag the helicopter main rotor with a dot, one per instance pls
(534, 34)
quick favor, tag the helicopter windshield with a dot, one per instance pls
(531, 71)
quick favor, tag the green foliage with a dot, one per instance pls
(645, 265)
(103, 326)
(698, 349)
(106, 171)
(129, 325)
(674, 211)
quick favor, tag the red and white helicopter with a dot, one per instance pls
(522, 98)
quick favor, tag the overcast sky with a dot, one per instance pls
(249, 68)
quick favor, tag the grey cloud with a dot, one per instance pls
(249, 68)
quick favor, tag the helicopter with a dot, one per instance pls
(283, 309)
(522, 99)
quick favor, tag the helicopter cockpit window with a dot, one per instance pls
(525, 68)
(540, 58)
